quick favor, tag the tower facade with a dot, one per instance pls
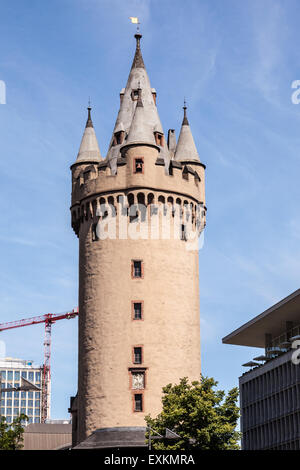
(138, 214)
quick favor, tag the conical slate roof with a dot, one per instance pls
(140, 131)
(186, 148)
(129, 114)
(89, 149)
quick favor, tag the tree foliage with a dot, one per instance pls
(11, 435)
(203, 417)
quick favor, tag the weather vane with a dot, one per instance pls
(135, 20)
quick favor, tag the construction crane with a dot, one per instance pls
(48, 319)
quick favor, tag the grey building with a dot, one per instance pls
(14, 403)
(270, 389)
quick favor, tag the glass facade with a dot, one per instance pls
(15, 403)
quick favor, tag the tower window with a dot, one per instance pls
(137, 269)
(137, 310)
(118, 138)
(185, 173)
(138, 402)
(94, 233)
(159, 138)
(135, 94)
(137, 355)
(138, 165)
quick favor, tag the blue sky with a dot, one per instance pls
(234, 62)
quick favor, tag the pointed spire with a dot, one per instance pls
(138, 94)
(89, 148)
(185, 121)
(186, 148)
(138, 58)
(89, 122)
(140, 130)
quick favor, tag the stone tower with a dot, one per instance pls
(133, 212)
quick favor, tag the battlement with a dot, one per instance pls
(141, 168)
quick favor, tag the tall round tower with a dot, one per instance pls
(137, 214)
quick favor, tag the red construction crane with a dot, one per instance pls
(48, 319)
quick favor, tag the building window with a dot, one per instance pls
(9, 375)
(31, 376)
(24, 374)
(137, 355)
(183, 233)
(135, 94)
(137, 310)
(138, 402)
(118, 138)
(185, 173)
(159, 138)
(138, 165)
(3, 374)
(137, 270)
(94, 233)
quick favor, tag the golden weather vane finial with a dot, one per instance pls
(135, 20)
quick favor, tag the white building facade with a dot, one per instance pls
(23, 402)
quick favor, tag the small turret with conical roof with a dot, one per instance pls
(186, 148)
(89, 151)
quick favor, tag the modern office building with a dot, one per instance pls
(270, 389)
(23, 402)
(139, 318)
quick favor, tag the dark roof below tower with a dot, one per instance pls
(114, 438)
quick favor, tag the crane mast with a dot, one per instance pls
(48, 319)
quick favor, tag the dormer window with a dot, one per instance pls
(135, 95)
(138, 165)
(118, 138)
(159, 138)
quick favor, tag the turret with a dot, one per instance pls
(186, 149)
(89, 151)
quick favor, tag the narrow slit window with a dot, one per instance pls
(137, 355)
(137, 311)
(138, 402)
(137, 269)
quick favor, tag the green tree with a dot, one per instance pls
(204, 418)
(11, 435)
